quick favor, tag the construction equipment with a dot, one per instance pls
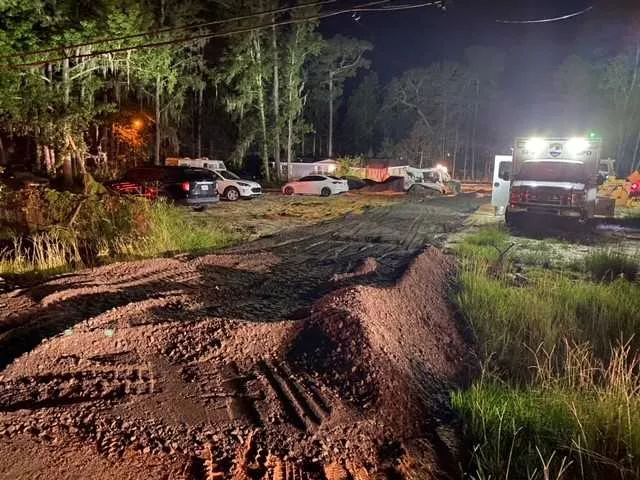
(435, 178)
(634, 190)
(624, 192)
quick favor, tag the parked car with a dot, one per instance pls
(323, 185)
(189, 186)
(231, 187)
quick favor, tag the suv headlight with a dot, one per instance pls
(242, 184)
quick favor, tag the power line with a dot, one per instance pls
(548, 20)
(361, 7)
(393, 8)
(172, 29)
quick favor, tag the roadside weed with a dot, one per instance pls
(608, 265)
(560, 396)
(53, 252)
(165, 229)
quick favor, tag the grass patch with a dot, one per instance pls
(485, 244)
(511, 319)
(556, 400)
(274, 214)
(48, 253)
(140, 229)
(170, 230)
(582, 423)
(493, 236)
(608, 265)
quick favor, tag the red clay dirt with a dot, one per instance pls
(264, 362)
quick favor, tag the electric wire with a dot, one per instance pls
(358, 8)
(549, 20)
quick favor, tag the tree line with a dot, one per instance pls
(434, 114)
(605, 92)
(68, 100)
(103, 85)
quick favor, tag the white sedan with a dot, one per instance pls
(316, 185)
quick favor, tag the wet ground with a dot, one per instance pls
(326, 351)
(563, 240)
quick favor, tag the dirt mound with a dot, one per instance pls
(418, 190)
(240, 365)
(383, 347)
(391, 184)
(387, 352)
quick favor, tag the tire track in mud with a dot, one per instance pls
(54, 390)
(199, 305)
(246, 396)
(254, 462)
(301, 408)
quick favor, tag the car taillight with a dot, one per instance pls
(185, 186)
(635, 186)
(514, 195)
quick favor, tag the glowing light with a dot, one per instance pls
(137, 123)
(442, 167)
(576, 145)
(535, 145)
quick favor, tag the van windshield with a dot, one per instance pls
(552, 172)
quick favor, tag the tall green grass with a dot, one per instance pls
(560, 393)
(585, 420)
(171, 230)
(510, 320)
(161, 229)
(53, 252)
(486, 244)
(610, 264)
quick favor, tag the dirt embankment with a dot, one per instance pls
(359, 386)
(328, 353)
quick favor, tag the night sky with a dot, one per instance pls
(418, 37)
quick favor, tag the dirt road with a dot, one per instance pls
(323, 352)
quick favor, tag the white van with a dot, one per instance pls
(229, 186)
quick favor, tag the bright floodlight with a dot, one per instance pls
(442, 167)
(535, 145)
(577, 145)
